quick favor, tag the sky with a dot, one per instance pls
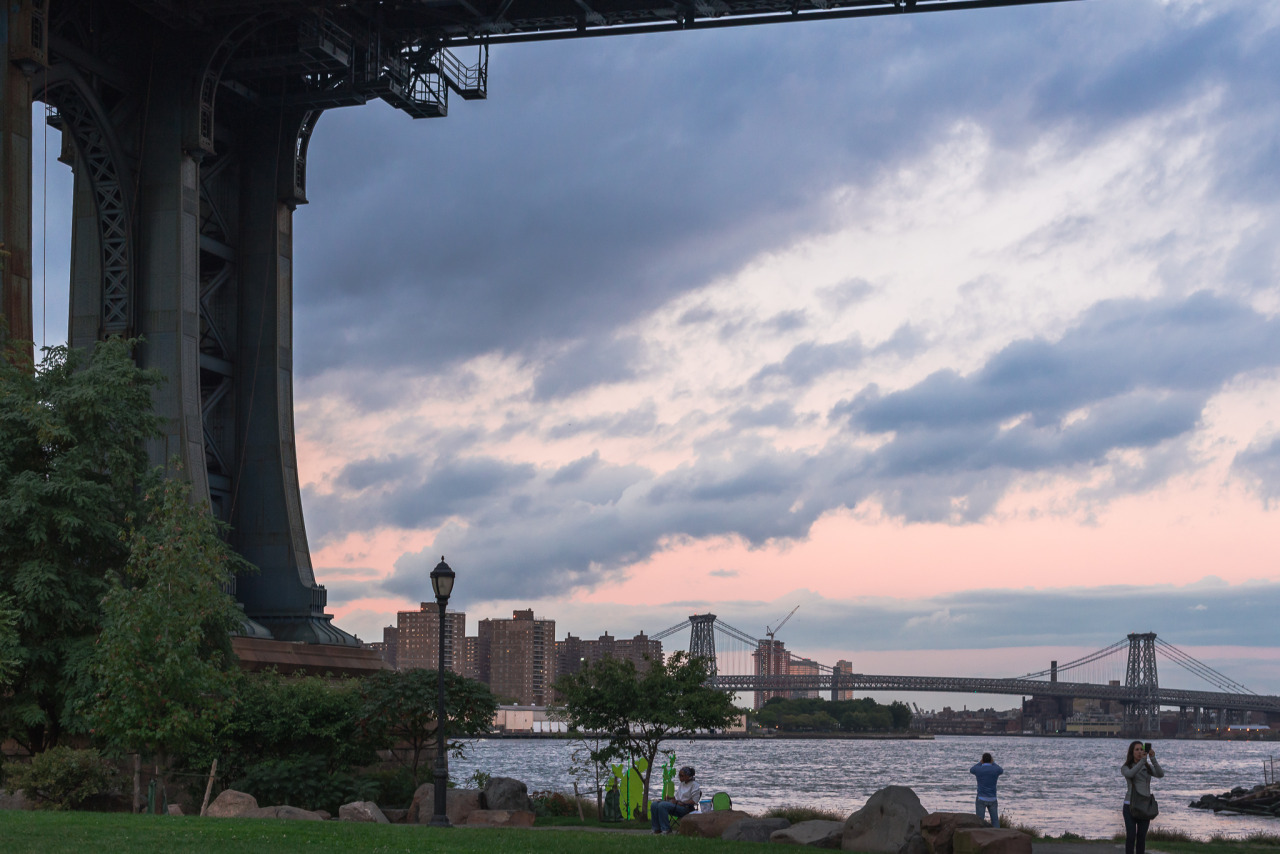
(961, 331)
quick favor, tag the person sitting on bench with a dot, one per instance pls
(680, 804)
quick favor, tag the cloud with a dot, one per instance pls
(1259, 465)
(809, 361)
(723, 573)
(587, 364)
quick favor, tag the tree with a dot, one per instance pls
(72, 470)
(400, 709)
(639, 711)
(8, 641)
(161, 662)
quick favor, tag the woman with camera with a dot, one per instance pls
(1139, 767)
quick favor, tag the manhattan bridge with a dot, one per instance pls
(742, 664)
(186, 124)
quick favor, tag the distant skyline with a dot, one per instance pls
(960, 330)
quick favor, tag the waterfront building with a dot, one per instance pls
(843, 667)
(517, 658)
(417, 639)
(574, 653)
(771, 659)
(387, 647)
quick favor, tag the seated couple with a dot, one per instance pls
(684, 801)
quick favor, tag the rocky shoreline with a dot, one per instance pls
(1260, 801)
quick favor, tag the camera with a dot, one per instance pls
(1147, 747)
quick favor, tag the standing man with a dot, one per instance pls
(680, 804)
(987, 771)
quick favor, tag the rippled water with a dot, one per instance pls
(1053, 784)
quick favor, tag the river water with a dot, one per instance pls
(1054, 784)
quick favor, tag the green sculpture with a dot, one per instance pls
(668, 777)
(630, 787)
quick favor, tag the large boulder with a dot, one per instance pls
(937, 828)
(885, 823)
(500, 818)
(362, 811)
(506, 793)
(16, 801)
(710, 825)
(754, 829)
(395, 816)
(990, 840)
(816, 833)
(232, 804)
(458, 804)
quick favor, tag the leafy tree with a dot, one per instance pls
(400, 709)
(72, 470)
(639, 711)
(161, 661)
(8, 641)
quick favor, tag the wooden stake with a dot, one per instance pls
(578, 800)
(137, 783)
(208, 789)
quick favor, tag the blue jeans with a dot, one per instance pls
(660, 813)
(1135, 833)
(981, 807)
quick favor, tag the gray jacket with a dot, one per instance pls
(1139, 776)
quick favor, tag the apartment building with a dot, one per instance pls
(417, 639)
(573, 653)
(517, 658)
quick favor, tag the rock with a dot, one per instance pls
(174, 809)
(754, 829)
(816, 834)
(458, 804)
(362, 811)
(990, 840)
(937, 828)
(499, 818)
(915, 845)
(325, 815)
(395, 816)
(885, 823)
(16, 801)
(709, 825)
(506, 793)
(232, 804)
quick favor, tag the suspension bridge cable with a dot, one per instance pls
(1199, 668)
(1080, 662)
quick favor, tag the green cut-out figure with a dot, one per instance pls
(669, 777)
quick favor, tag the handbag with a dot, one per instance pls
(1143, 807)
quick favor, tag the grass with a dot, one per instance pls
(795, 814)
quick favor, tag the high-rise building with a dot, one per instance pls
(418, 638)
(804, 667)
(843, 668)
(470, 661)
(573, 653)
(517, 658)
(771, 659)
(387, 647)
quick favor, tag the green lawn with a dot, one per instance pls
(121, 833)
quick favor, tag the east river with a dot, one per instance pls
(1054, 784)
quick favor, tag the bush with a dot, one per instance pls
(395, 787)
(61, 778)
(1008, 822)
(553, 804)
(797, 814)
(304, 782)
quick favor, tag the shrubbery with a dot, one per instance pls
(305, 782)
(60, 778)
(553, 803)
(811, 715)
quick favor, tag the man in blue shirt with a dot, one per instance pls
(987, 771)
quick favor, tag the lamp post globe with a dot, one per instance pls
(442, 583)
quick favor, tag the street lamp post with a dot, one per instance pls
(442, 584)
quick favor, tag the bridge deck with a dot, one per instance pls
(826, 682)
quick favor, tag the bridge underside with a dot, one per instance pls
(186, 123)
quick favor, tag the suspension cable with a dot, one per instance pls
(1080, 662)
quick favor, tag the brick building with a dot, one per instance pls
(517, 658)
(771, 659)
(573, 653)
(415, 642)
(843, 667)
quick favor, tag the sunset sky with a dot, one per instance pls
(959, 330)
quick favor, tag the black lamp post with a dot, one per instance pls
(442, 584)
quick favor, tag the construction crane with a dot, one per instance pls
(771, 632)
(769, 652)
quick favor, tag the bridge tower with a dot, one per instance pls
(1142, 714)
(702, 638)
